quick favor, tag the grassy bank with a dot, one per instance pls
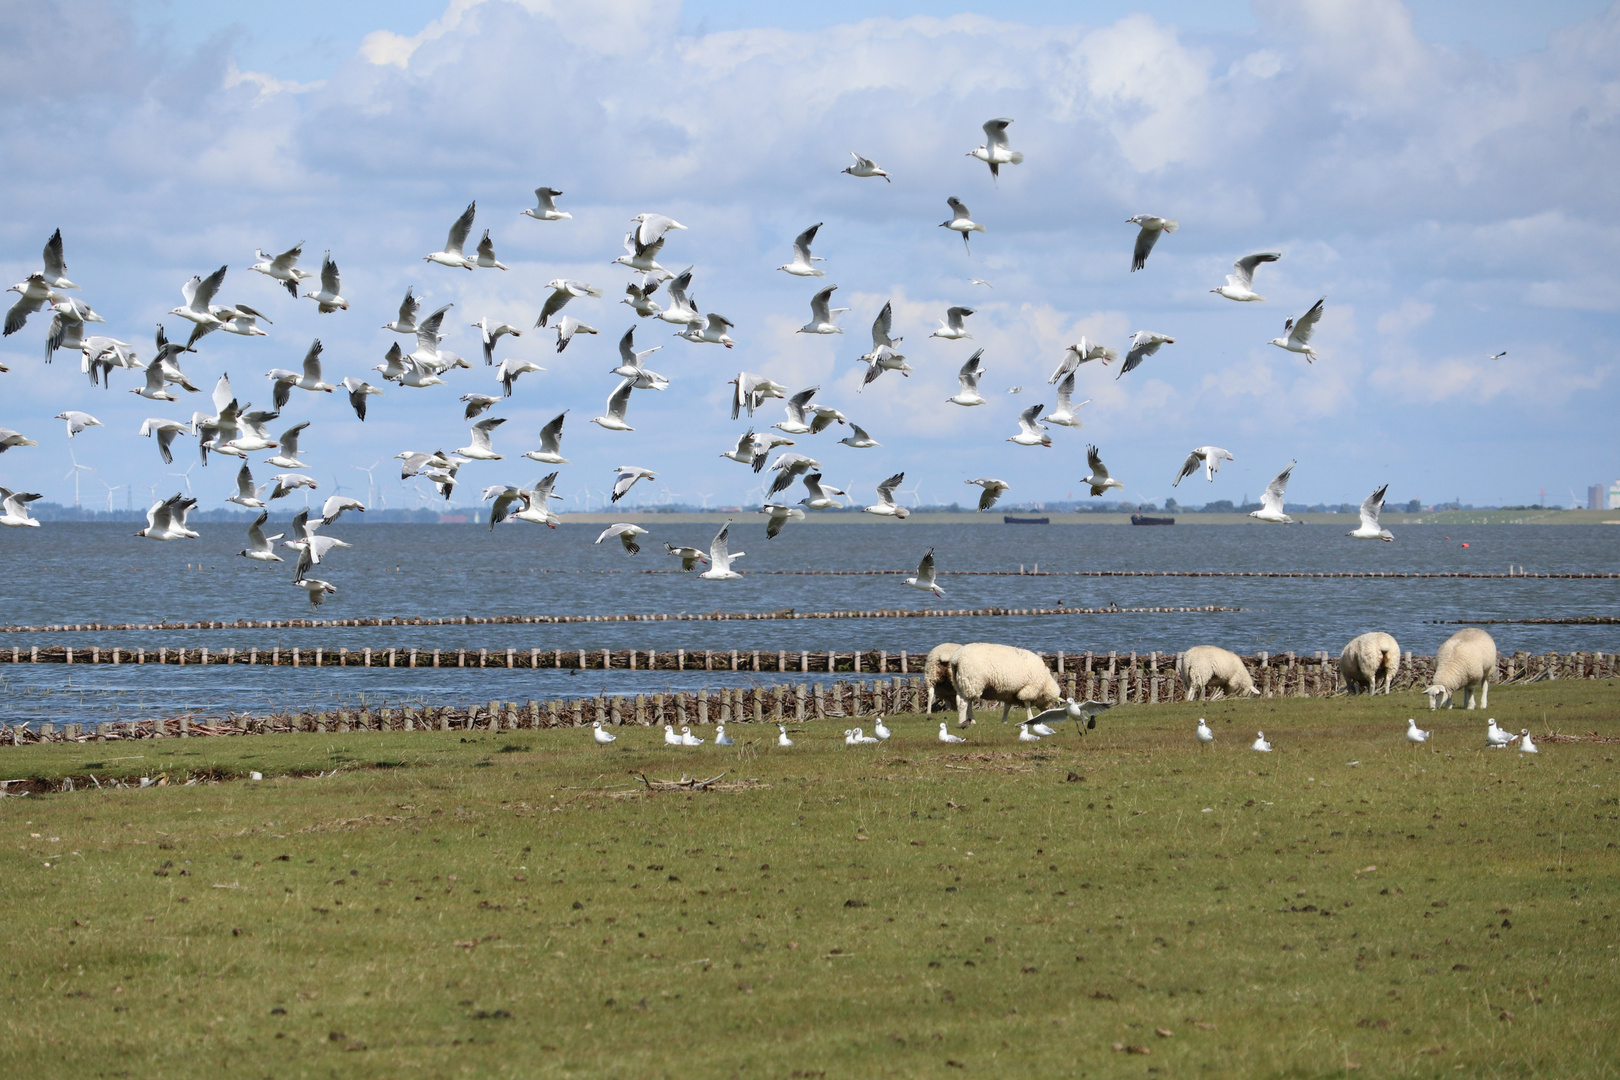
(514, 904)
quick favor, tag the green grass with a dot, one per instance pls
(500, 904)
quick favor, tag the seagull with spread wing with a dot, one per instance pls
(1099, 480)
(1240, 282)
(1144, 343)
(1300, 330)
(1151, 228)
(993, 490)
(1271, 503)
(995, 152)
(1207, 457)
(1369, 528)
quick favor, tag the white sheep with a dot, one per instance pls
(1201, 664)
(1465, 662)
(937, 673)
(985, 672)
(1366, 659)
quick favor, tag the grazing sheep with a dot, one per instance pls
(1012, 676)
(937, 674)
(1368, 658)
(1201, 664)
(1465, 662)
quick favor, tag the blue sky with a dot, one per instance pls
(1441, 173)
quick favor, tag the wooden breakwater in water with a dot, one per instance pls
(1126, 679)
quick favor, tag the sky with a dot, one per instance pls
(1440, 173)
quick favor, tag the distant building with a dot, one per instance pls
(1614, 495)
(1594, 497)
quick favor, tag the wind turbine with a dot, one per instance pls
(705, 496)
(915, 493)
(110, 489)
(73, 474)
(186, 476)
(371, 492)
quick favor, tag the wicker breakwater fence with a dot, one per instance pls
(1129, 679)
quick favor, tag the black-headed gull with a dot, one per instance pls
(1240, 282)
(1369, 528)
(670, 738)
(880, 359)
(563, 291)
(1151, 229)
(689, 556)
(509, 370)
(643, 258)
(155, 383)
(14, 508)
(1299, 331)
(1099, 480)
(246, 493)
(489, 332)
(626, 477)
(567, 327)
(1203, 734)
(995, 152)
(328, 298)
(261, 548)
(317, 589)
(453, 253)
(968, 376)
(199, 296)
(823, 315)
(287, 448)
(796, 405)
(859, 439)
(1271, 503)
(1496, 737)
(308, 378)
(1030, 432)
(886, 506)
(946, 737)
(1413, 733)
(1208, 458)
(480, 449)
(720, 736)
(1525, 745)
(358, 390)
(961, 221)
(993, 490)
(751, 391)
(879, 729)
(650, 228)
(721, 558)
(617, 403)
(55, 274)
(545, 208)
(550, 452)
(33, 293)
(1144, 343)
(166, 519)
(405, 322)
(601, 736)
(283, 268)
(951, 328)
(782, 736)
(925, 576)
(803, 264)
(711, 331)
(335, 505)
(788, 468)
(165, 431)
(1081, 352)
(865, 167)
(779, 517)
(486, 254)
(1260, 743)
(1026, 735)
(630, 361)
(626, 533)
(639, 296)
(1065, 415)
(77, 421)
(820, 496)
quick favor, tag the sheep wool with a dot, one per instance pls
(1203, 664)
(1465, 662)
(937, 674)
(1012, 676)
(1367, 659)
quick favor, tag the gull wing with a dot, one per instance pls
(1273, 498)
(55, 265)
(330, 282)
(289, 258)
(1243, 270)
(886, 489)
(883, 326)
(1099, 471)
(458, 232)
(995, 134)
(312, 361)
(718, 554)
(1188, 467)
(1145, 239)
(1027, 419)
(958, 207)
(481, 431)
(819, 305)
(1301, 329)
(797, 403)
(288, 441)
(551, 434)
(925, 569)
(1371, 506)
(968, 376)
(955, 316)
(203, 295)
(408, 308)
(802, 242)
(619, 400)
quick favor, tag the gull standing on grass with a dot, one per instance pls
(946, 737)
(1026, 735)
(1203, 733)
(1413, 733)
(1065, 415)
(1151, 229)
(1525, 745)
(925, 576)
(598, 733)
(626, 478)
(864, 167)
(1260, 743)
(1144, 343)
(626, 533)
(1030, 432)
(1299, 332)
(550, 452)
(1099, 480)
(951, 328)
(545, 208)
(1209, 457)
(993, 490)
(961, 221)
(823, 314)
(969, 376)
(803, 264)
(1240, 282)
(721, 738)
(782, 736)
(453, 253)
(720, 559)
(1496, 737)
(670, 738)
(689, 739)
(995, 152)
(283, 268)
(886, 506)
(261, 548)
(1271, 503)
(1369, 528)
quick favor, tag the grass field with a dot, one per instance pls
(1125, 903)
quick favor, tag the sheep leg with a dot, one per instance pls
(930, 710)
(1006, 707)
(963, 714)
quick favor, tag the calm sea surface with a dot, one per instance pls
(69, 573)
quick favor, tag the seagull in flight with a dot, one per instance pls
(359, 390)
(563, 291)
(780, 516)
(1030, 432)
(951, 328)
(1064, 415)
(650, 228)
(803, 264)
(961, 221)
(1081, 352)
(327, 298)
(1209, 457)
(1369, 528)
(859, 439)
(480, 449)
(627, 477)
(1240, 282)
(550, 452)
(689, 556)
(1151, 229)
(886, 506)
(567, 327)
(713, 329)
(720, 558)
(796, 405)
(1300, 331)
(283, 268)
(261, 548)
(405, 322)
(993, 490)
(865, 167)
(821, 496)
(995, 152)
(925, 576)
(490, 333)
(453, 253)
(626, 533)
(969, 376)
(546, 206)
(1099, 480)
(617, 403)
(822, 314)
(1271, 503)
(509, 370)
(77, 421)
(1144, 343)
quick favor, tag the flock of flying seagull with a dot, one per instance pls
(236, 429)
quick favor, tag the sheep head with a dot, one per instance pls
(1438, 695)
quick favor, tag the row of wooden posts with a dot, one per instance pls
(1134, 679)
